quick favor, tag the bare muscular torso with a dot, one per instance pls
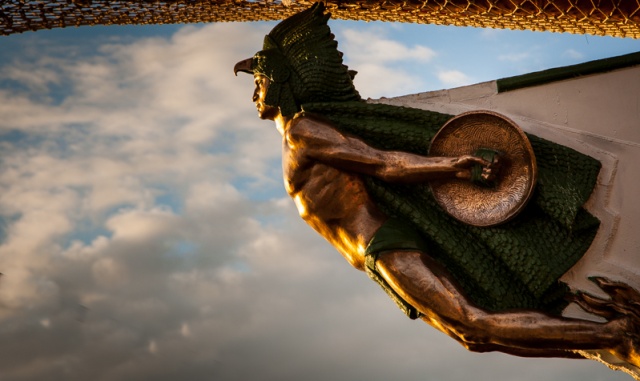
(332, 201)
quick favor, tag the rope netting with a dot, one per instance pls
(620, 18)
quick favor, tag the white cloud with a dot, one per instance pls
(379, 61)
(373, 47)
(36, 81)
(375, 80)
(453, 78)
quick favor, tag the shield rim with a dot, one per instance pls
(532, 180)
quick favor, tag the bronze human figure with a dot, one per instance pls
(335, 177)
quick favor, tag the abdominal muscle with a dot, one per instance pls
(336, 205)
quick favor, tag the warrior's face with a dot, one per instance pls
(262, 86)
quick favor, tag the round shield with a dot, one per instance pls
(475, 133)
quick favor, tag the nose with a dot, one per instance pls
(255, 94)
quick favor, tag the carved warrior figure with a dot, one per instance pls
(357, 173)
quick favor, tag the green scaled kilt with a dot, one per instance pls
(515, 265)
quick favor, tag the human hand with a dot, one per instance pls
(622, 311)
(477, 169)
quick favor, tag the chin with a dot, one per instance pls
(267, 113)
(262, 114)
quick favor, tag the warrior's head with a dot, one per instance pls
(301, 64)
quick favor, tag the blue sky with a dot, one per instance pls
(147, 234)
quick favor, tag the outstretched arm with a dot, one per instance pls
(322, 142)
(426, 285)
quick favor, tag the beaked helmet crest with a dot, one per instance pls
(301, 59)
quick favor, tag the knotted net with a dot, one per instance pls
(620, 18)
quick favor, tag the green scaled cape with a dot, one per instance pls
(515, 265)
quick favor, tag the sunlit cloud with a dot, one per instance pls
(376, 58)
(372, 46)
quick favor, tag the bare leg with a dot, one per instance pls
(428, 286)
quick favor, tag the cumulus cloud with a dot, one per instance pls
(379, 60)
(147, 235)
(373, 46)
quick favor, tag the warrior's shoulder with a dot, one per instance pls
(305, 117)
(306, 125)
(305, 121)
